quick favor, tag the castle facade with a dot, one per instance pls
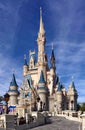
(41, 89)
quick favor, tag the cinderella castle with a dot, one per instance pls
(41, 89)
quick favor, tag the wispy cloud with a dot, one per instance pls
(70, 61)
(69, 42)
(6, 70)
(9, 18)
(68, 18)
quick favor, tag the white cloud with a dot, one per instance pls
(70, 62)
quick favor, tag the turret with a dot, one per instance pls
(59, 97)
(25, 67)
(59, 92)
(72, 97)
(52, 72)
(13, 91)
(52, 60)
(42, 91)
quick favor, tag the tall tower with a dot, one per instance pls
(41, 40)
(13, 92)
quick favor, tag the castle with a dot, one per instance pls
(41, 89)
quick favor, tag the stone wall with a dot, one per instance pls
(8, 122)
(39, 121)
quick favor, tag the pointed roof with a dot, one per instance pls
(52, 54)
(41, 29)
(41, 80)
(13, 82)
(57, 79)
(59, 87)
(72, 85)
(25, 61)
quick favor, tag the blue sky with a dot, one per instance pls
(64, 22)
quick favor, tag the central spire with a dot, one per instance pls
(41, 40)
(41, 30)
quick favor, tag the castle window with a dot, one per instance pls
(72, 104)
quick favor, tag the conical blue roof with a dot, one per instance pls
(52, 55)
(52, 60)
(25, 62)
(72, 84)
(59, 87)
(13, 82)
(41, 80)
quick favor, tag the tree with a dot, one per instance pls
(82, 108)
(1, 98)
(78, 107)
(6, 97)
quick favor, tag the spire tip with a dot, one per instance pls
(24, 56)
(72, 78)
(40, 12)
(41, 29)
(52, 46)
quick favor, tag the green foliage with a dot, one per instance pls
(78, 107)
(81, 107)
(1, 98)
(6, 97)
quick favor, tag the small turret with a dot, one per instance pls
(25, 67)
(13, 82)
(13, 91)
(53, 68)
(72, 97)
(59, 92)
(52, 61)
(42, 91)
(59, 97)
